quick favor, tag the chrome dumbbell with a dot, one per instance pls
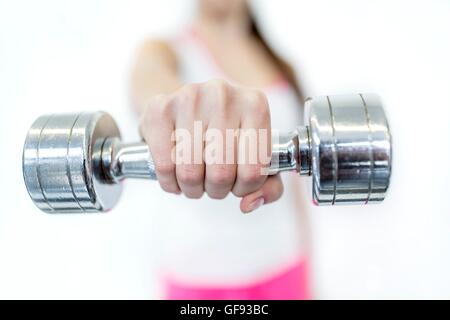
(74, 162)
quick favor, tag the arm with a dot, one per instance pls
(154, 72)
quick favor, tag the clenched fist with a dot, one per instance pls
(212, 137)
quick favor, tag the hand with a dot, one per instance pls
(212, 137)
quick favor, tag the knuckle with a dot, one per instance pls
(221, 91)
(257, 101)
(218, 84)
(187, 95)
(251, 175)
(221, 176)
(164, 168)
(189, 175)
(218, 92)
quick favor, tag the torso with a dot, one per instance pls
(241, 58)
(210, 241)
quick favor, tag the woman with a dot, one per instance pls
(209, 251)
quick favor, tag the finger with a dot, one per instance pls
(156, 128)
(254, 147)
(271, 191)
(220, 141)
(190, 169)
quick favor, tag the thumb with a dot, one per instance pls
(270, 191)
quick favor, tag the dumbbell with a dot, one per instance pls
(75, 162)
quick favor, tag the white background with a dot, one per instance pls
(75, 55)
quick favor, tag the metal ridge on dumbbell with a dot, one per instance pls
(74, 162)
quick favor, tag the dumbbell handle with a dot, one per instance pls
(290, 152)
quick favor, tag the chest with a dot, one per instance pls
(248, 66)
(243, 61)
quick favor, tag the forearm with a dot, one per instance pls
(154, 72)
(144, 86)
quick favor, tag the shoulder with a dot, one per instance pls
(156, 46)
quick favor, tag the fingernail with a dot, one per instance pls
(256, 204)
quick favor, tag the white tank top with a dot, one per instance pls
(210, 241)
